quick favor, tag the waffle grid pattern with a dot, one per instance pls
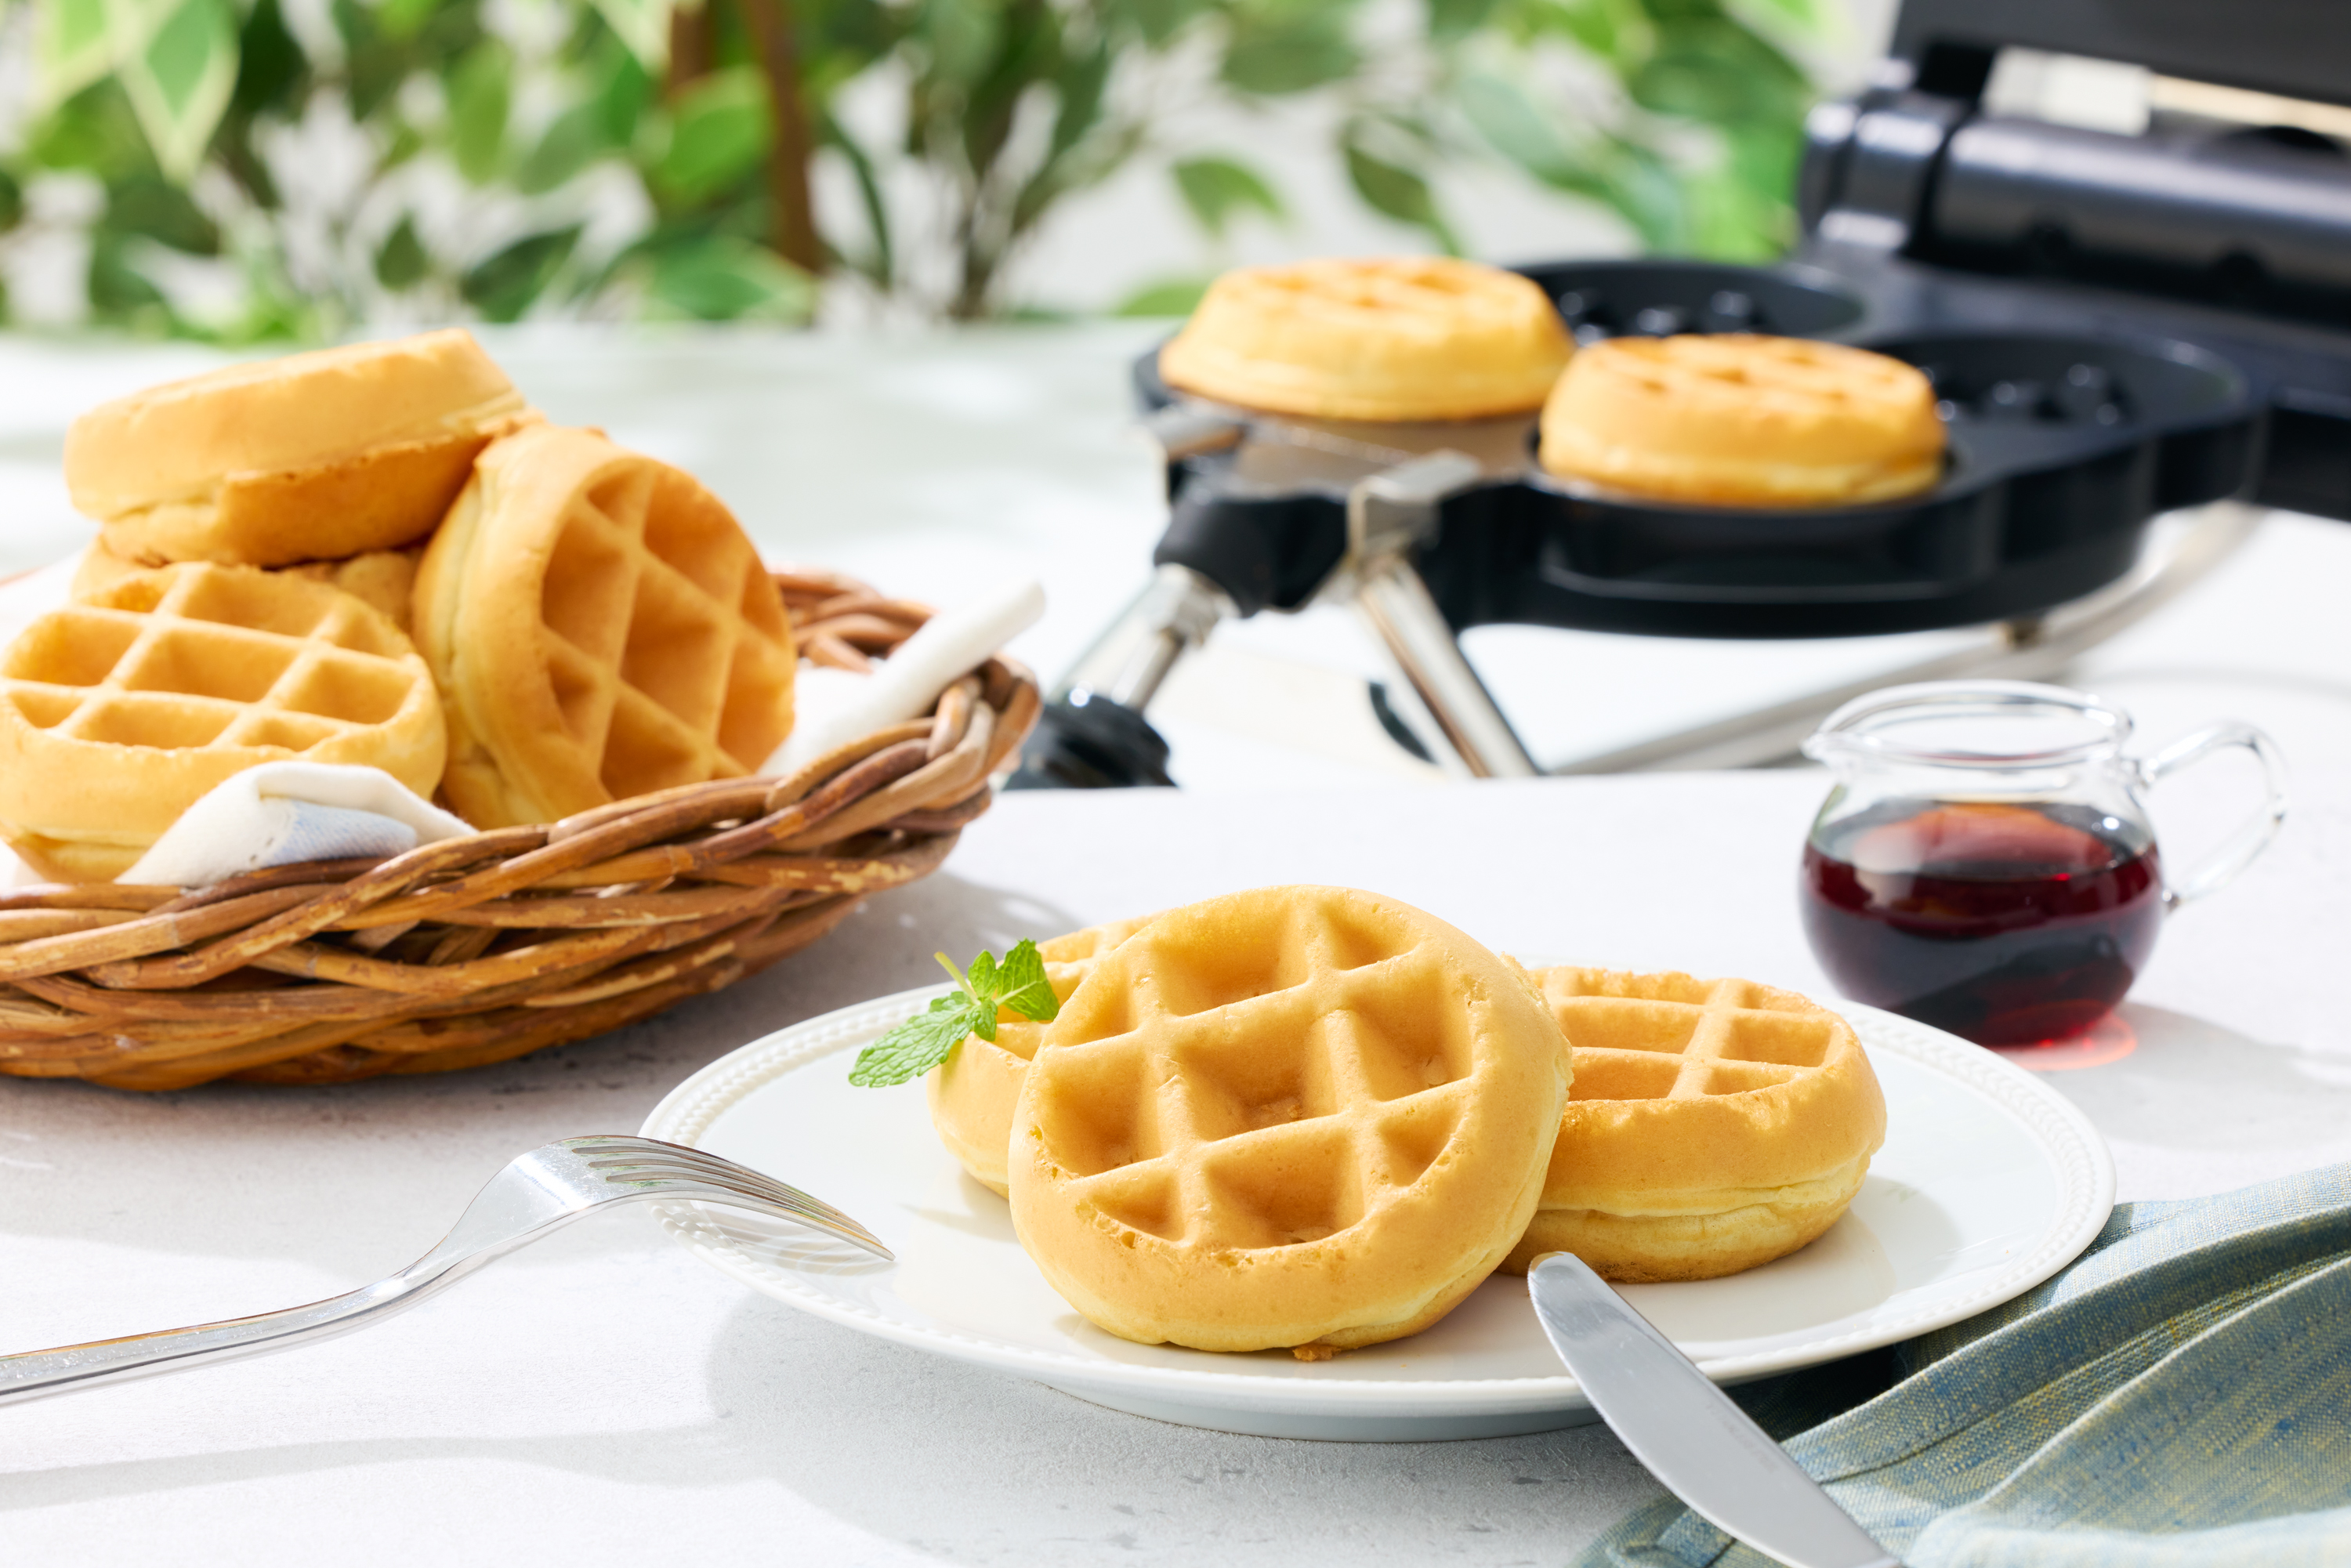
(1178, 1123)
(203, 656)
(1433, 296)
(1790, 373)
(665, 643)
(1659, 1037)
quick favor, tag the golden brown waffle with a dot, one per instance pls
(1742, 420)
(315, 456)
(1713, 1124)
(118, 712)
(1301, 1116)
(973, 1092)
(599, 627)
(382, 580)
(1416, 338)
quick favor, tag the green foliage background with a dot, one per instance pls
(202, 124)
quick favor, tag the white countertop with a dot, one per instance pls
(606, 1392)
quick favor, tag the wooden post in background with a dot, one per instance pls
(793, 235)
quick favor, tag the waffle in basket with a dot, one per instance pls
(973, 1092)
(599, 627)
(1713, 1126)
(309, 458)
(118, 711)
(1419, 338)
(1299, 1116)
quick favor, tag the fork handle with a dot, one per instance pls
(38, 1372)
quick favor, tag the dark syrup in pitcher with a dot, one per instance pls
(2009, 925)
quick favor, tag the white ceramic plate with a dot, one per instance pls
(1989, 1183)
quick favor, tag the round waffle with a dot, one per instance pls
(1740, 420)
(119, 711)
(1419, 338)
(972, 1093)
(311, 457)
(599, 627)
(1713, 1126)
(382, 580)
(1299, 1116)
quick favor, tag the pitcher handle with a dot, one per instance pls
(2249, 841)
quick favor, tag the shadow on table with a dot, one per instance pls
(2225, 1108)
(963, 1463)
(360, 1178)
(966, 1465)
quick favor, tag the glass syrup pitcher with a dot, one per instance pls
(1985, 862)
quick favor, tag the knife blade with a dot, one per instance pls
(1689, 1433)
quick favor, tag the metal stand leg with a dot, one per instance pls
(1456, 703)
(1439, 697)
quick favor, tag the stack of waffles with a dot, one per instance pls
(1315, 1119)
(380, 555)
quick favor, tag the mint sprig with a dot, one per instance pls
(1018, 985)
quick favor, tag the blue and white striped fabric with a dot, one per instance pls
(2180, 1395)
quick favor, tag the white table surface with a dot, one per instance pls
(606, 1392)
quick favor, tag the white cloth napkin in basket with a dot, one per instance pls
(282, 812)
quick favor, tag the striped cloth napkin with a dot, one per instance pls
(2180, 1395)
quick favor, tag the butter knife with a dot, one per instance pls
(1705, 1449)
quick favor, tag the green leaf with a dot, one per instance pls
(1169, 296)
(643, 26)
(480, 90)
(1450, 20)
(1616, 32)
(1218, 190)
(12, 202)
(1022, 985)
(619, 99)
(1710, 68)
(1399, 193)
(179, 77)
(963, 36)
(507, 285)
(158, 210)
(1079, 87)
(73, 44)
(719, 134)
(1291, 53)
(402, 20)
(402, 263)
(1160, 20)
(270, 62)
(571, 144)
(1807, 17)
(916, 1046)
(1515, 128)
(878, 263)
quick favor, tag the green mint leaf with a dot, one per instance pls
(1022, 985)
(916, 1046)
(981, 981)
(924, 1040)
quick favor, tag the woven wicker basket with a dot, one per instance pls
(485, 947)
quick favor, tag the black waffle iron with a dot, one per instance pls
(2119, 326)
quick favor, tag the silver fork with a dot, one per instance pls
(537, 1193)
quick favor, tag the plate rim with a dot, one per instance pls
(2086, 1171)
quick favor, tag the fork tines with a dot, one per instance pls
(649, 1163)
